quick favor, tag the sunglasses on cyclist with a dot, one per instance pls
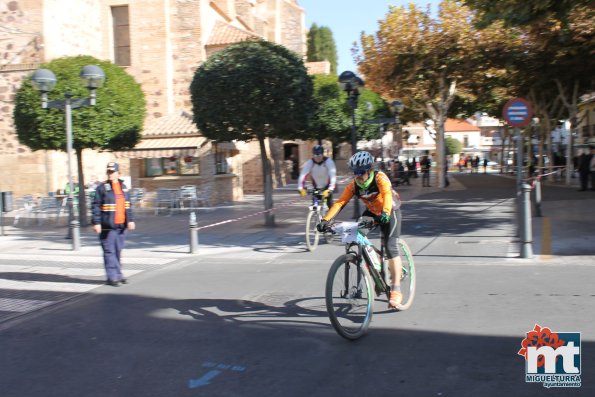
(359, 172)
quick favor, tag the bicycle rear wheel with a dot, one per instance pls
(312, 235)
(349, 297)
(407, 276)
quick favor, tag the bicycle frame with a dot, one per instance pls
(317, 200)
(378, 276)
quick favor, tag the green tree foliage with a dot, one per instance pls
(557, 62)
(114, 123)
(524, 12)
(453, 146)
(332, 117)
(253, 90)
(429, 62)
(321, 46)
(330, 120)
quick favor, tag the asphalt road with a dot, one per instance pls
(249, 319)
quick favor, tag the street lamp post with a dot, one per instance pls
(352, 85)
(44, 81)
(397, 107)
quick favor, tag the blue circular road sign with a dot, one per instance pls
(517, 112)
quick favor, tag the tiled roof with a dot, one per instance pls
(455, 125)
(224, 33)
(173, 124)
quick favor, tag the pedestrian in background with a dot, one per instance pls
(112, 216)
(584, 169)
(475, 164)
(425, 164)
(446, 165)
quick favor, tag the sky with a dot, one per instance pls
(348, 18)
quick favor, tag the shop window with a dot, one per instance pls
(186, 165)
(189, 165)
(154, 167)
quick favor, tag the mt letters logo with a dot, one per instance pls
(552, 358)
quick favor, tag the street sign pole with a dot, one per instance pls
(517, 112)
(519, 158)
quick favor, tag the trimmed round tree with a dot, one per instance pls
(114, 123)
(253, 90)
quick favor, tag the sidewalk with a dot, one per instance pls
(238, 223)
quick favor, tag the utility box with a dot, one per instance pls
(6, 198)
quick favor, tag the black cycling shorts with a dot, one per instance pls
(389, 233)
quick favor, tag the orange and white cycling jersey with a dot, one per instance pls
(378, 197)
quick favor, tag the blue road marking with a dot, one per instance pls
(203, 380)
(214, 372)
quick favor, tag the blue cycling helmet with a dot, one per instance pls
(317, 150)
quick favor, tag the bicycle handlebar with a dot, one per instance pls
(363, 223)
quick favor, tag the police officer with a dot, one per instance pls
(112, 216)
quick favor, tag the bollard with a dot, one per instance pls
(193, 227)
(538, 197)
(75, 233)
(526, 231)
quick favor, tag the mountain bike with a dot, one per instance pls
(314, 217)
(356, 276)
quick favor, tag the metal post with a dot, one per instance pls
(353, 103)
(538, 197)
(526, 236)
(74, 223)
(569, 159)
(193, 227)
(519, 180)
(2, 214)
(381, 134)
(519, 157)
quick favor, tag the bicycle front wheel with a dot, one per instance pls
(407, 276)
(349, 297)
(312, 235)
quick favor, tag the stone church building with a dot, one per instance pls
(160, 43)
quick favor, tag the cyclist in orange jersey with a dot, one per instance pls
(375, 190)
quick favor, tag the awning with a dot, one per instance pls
(164, 147)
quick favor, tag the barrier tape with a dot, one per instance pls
(290, 203)
(534, 179)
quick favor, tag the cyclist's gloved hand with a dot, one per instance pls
(384, 218)
(322, 226)
(325, 193)
(302, 192)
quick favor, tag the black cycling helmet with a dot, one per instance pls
(317, 150)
